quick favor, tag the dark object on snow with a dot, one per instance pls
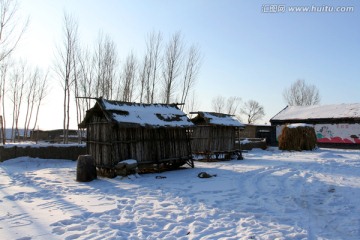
(297, 138)
(86, 170)
(205, 175)
(126, 167)
(160, 177)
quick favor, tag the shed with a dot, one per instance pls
(152, 134)
(336, 125)
(257, 131)
(215, 133)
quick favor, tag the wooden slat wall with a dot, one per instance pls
(151, 144)
(109, 144)
(213, 138)
(99, 141)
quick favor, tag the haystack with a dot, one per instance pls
(297, 137)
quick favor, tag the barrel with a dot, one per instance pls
(86, 170)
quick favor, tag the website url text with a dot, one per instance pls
(281, 8)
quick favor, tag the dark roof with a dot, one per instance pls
(138, 114)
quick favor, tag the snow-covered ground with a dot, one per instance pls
(269, 195)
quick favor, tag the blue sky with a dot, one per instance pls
(247, 53)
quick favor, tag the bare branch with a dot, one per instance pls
(105, 63)
(232, 105)
(172, 63)
(149, 70)
(12, 28)
(66, 66)
(128, 77)
(301, 94)
(218, 104)
(253, 111)
(191, 70)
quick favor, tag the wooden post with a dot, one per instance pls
(2, 133)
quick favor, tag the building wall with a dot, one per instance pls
(110, 144)
(99, 143)
(248, 132)
(343, 133)
(259, 131)
(213, 138)
(151, 144)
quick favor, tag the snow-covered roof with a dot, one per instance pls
(334, 111)
(296, 125)
(150, 115)
(222, 119)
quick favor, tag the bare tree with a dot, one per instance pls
(153, 46)
(17, 87)
(191, 70)
(30, 92)
(232, 105)
(82, 86)
(26, 90)
(85, 82)
(150, 66)
(218, 104)
(65, 66)
(35, 92)
(253, 111)
(301, 94)
(229, 106)
(12, 27)
(171, 67)
(129, 76)
(4, 68)
(192, 104)
(142, 78)
(41, 92)
(105, 65)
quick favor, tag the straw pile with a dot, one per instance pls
(297, 138)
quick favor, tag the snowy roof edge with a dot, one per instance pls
(318, 112)
(144, 115)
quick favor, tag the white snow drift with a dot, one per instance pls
(270, 195)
